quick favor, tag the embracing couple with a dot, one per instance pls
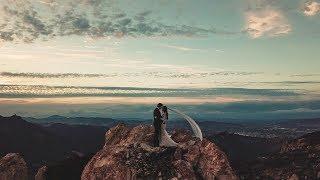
(160, 118)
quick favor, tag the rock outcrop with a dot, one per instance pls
(42, 173)
(128, 154)
(13, 167)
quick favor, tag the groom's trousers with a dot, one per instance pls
(157, 131)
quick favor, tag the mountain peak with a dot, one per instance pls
(15, 117)
(128, 154)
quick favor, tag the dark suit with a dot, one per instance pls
(157, 121)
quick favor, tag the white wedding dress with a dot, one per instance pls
(165, 139)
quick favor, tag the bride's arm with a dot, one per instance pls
(164, 119)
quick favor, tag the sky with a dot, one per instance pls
(213, 59)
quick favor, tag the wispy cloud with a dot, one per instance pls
(311, 8)
(191, 49)
(183, 48)
(304, 75)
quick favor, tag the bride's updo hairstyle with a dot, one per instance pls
(165, 109)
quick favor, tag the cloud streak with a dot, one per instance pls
(304, 75)
(183, 48)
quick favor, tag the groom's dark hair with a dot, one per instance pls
(159, 105)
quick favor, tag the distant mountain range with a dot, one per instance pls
(288, 128)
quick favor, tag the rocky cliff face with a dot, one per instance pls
(13, 167)
(128, 154)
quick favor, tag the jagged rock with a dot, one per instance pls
(294, 177)
(128, 154)
(13, 167)
(41, 174)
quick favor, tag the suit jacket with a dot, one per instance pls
(157, 117)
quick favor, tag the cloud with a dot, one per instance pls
(6, 36)
(27, 21)
(266, 22)
(311, 8)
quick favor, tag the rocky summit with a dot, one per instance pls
(128, 154)
(13, 167)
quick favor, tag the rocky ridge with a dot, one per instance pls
(128, 154)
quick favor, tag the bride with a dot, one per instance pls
(165, 139)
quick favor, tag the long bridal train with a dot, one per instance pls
(165, 138)
(195, 127)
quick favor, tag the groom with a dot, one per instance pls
(157, 121)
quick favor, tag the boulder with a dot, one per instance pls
(13, 167)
